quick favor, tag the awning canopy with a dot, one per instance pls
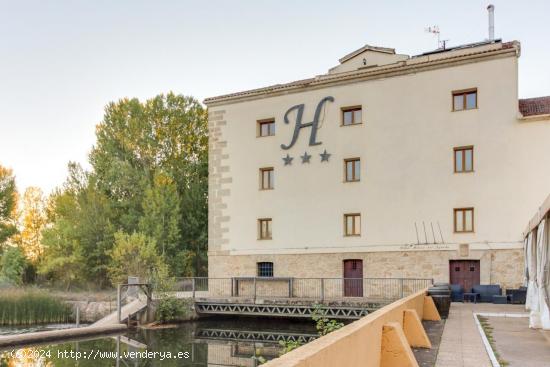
(539, 215)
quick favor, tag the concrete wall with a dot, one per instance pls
(93, 311)
(357, 344)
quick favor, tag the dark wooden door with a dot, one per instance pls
(465, 273)
(353, 278)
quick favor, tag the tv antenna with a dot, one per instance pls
(435, 31)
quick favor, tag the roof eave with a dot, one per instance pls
(398, 68)
(534, 118)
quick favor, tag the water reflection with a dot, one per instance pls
(214, 342)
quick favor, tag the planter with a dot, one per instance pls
(443, 304)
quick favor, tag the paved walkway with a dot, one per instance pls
(461, 344)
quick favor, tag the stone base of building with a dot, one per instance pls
(502, 266)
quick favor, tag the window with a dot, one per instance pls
(265, 269)
(266, 178)
(464, 159)
(352, 168)
(266, 127)
(464, 99)
(352, 224)
(464, 220)
(351, 115)
(264, 229)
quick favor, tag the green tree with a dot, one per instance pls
(80, 234)
(161, 218)
(136, 141)
(194, 221)
(63, 255)
(149, 174)
(13, 265)
(135, 255)
(8, 204)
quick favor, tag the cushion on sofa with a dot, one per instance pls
(487, 291)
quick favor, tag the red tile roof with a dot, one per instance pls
(534, 106)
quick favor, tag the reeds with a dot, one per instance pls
(31, 307)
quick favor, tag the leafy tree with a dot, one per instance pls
(63, 255)
(13, 265)
(80, 234)
(160, 219)
(135, 255)
(138, 141)
(8, 204)
(33, 220)
(194, 221)
(149, 174)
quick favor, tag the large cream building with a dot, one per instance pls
(387, 166)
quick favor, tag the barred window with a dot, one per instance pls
(265, 269)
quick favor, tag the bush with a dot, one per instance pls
(171, 309)
(13, 266)
(323, 324)
(135, 255)
(289, 345)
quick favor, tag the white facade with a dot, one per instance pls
(405, 143)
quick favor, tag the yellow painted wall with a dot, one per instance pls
(356, 344)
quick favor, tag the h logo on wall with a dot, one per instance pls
(299, 125)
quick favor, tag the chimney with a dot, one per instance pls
(491, 10)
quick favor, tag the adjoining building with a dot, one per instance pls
(387, 166)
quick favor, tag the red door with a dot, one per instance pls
(465, 273)
(353, 278)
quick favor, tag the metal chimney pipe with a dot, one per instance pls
(491, 10)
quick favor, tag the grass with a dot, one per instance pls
(488, 330)
(32, 307)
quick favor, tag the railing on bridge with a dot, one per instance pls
(323, 289)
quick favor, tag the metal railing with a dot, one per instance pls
(376, 289)
(133, 290)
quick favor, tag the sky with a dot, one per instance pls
(62, 61)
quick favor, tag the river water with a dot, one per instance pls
(211, 342)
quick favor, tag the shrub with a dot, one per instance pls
(289, 345)
(135, 255)
(13, 266)
(171, 309)
(323, 324)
